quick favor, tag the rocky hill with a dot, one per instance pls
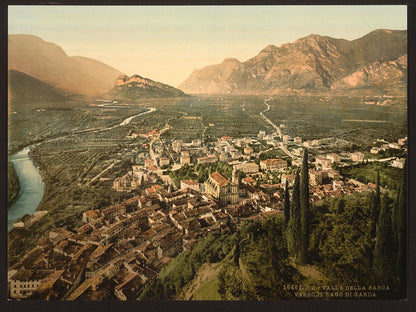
(48, 62)
(138, 87)
(312, 63)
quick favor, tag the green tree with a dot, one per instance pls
(373, 215)
(304, 207)
(401, 225)
(294, 228)
(378, 196)
(286, 206)
(383, 263)
(340, 206)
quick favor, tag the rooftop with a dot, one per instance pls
(219, 178)
(190, 182)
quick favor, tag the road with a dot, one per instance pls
(279, 131)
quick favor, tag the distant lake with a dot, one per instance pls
(31, 187)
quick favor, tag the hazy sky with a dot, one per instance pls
(166, 43)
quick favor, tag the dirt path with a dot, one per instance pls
(205, 272)
(246, 277)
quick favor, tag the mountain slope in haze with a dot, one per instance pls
(27, 89)
(48, 62)
(139, 87)
(312, 63)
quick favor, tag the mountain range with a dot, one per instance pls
(313, 63)
(42, 71)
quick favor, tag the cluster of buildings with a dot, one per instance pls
(120, 248)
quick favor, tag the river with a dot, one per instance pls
(31, 184)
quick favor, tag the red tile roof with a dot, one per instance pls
(190, 182)
(219, 178)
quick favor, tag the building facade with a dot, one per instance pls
(222, 189)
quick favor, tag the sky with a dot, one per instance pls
(166, 43)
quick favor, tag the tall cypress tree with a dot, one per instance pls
(395, 225)
(293, 229)
(373, 215)
(286, 207)
(304, 207)
(378, 196)
(340, 206)
(402, 233)
(383, 263)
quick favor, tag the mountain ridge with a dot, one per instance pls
(311, 63)
(48, 62)
(135, 86)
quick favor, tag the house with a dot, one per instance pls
(207, 159)
(249, 180)
(185, 160)
(375, 150)
(402, 141)
(273, 164)
(125, 183)
(248, 150)
(307, 144)
(334, 158)
(191, 184)
(169, 246)
(89, 216)
(394, 145)
(357, 156)
(247, 167)
(318, 177)
(149, 162)
(399, 163)
(25, 282)
(163, 161)
(297, 139)
(196, 142)
(114, 211)
(324, 162)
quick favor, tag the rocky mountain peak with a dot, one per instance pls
(312, 63)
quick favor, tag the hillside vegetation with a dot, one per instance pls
(253, 263)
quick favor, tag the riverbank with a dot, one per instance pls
(31, 187)
(13, 185)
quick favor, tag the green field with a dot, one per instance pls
(343, 117)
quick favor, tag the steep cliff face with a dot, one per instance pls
(377, 74)
(312, 63)
(47, 62)
(138, 87)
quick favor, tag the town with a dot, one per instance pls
(178, 192)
